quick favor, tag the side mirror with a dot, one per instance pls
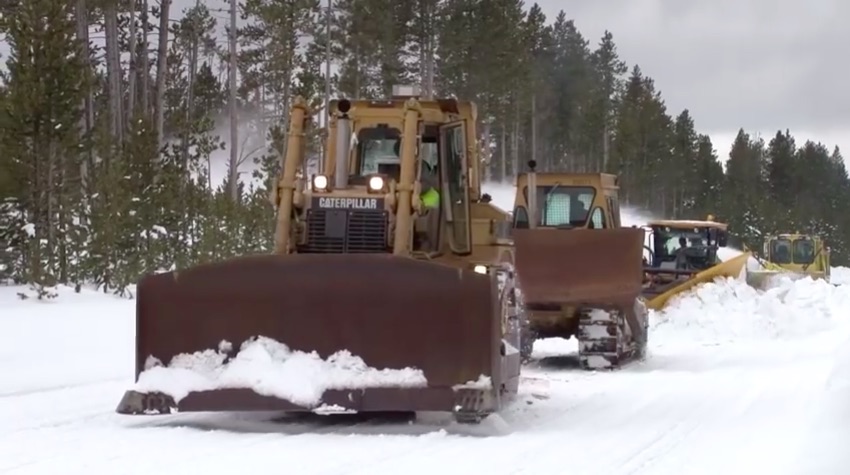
(486, 198)
(532, 164)
(722, 238)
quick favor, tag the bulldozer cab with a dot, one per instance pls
(398, 177)
(566, 201)
(797, 252)
(689, 246)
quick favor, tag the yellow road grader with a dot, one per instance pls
(793, 255)
(363, 262)
(682, 254)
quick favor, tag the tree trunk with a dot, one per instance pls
(233, 177)
(515, 139)
(144, 62)
(87, 120)
(162, 70)
(504, 153)
(113, 72)
(486, 152)
(190, 99)
(131, 76)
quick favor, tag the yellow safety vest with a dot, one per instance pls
(431, 198)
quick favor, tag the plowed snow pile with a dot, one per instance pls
(730, 310)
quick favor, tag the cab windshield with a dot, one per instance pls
(669, 239)
(804, 251)
(377, 154)
(563, 205)
(780, 251)
(379, 149)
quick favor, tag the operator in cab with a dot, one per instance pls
(681, 257)
(430, 183)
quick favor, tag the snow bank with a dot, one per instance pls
(270, 368)
(729, 310)
(840, 275)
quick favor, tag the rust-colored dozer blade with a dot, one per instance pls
(393, 312)
(594, 276)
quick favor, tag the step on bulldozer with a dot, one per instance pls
(364, 261)
(578, 271)
(682, 254)
(793, 255)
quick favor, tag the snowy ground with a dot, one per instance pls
(735, 381)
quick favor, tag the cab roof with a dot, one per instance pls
(683, 224)
(793, 236)
(596, 180)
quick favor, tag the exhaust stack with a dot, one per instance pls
(343, 145)
(532, 195)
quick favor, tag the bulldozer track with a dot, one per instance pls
(606, 341)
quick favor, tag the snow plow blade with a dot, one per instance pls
(393, 312)
(592, 267)
(731, 268)
(584, 283)
(765, 279)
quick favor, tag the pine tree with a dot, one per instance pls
(41, 136)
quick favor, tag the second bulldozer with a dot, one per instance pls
(793, 255)
(578, 270)
(389, 253)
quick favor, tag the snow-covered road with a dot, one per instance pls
(736, 381)
(749, 383)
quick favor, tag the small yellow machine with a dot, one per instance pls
(794, 255)
(683, 254)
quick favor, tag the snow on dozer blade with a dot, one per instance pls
(393, 312)
(570, 273)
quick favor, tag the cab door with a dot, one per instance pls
(455, 185)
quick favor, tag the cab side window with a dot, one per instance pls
(614, 209)
(520, 218)
(597, 219)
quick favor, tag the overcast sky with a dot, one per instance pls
(758, 64)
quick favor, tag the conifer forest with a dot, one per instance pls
(112, 114)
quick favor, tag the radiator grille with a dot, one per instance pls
(344, 231)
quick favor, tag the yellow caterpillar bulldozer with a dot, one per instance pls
(363, 261)
(682, 254)
(794, 255)
(578, 271)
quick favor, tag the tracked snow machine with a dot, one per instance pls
(793, 255)
(682, 254)
(579, 272)
(360, 263)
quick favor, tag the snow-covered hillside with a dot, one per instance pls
(736, 381)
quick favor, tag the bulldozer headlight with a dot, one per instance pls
(376, 183)
(479, 269)
(320, 183)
